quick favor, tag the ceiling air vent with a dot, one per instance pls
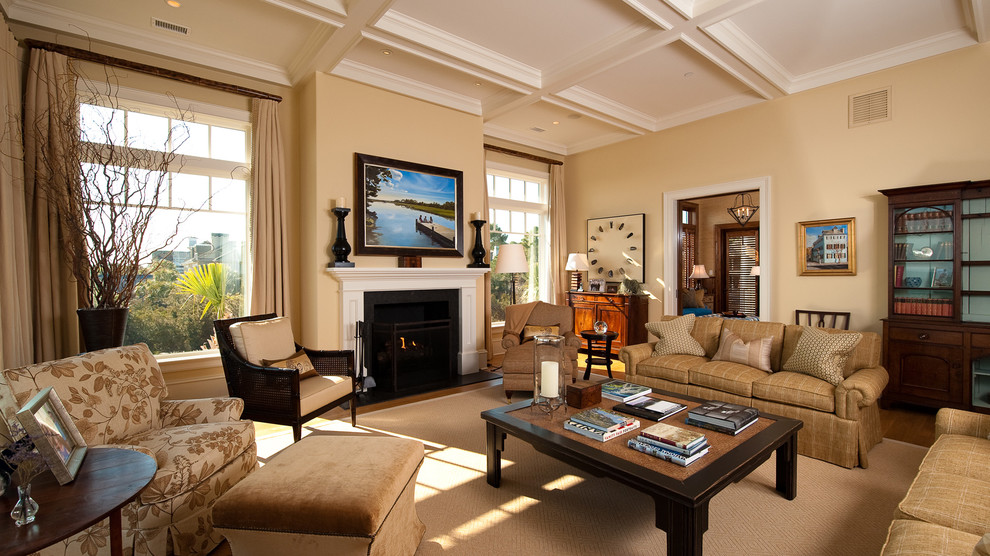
(537, 129)
(168, 26)
(870, 107)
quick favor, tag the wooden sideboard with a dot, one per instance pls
(624, 314)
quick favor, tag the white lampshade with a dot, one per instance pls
(699, 272)
(577, 261)
(755, 271)
(511, 258)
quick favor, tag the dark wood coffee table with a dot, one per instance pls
(681, 494)
(108, 479)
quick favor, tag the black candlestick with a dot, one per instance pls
(478, 253)
(340, 247)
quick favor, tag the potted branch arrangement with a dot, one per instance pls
(105, 184)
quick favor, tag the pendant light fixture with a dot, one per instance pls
(743, 208)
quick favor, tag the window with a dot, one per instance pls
(517, 202)
(202, 214)
(741, 255)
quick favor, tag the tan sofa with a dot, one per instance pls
(116, 397)
(945, 511)
(841, 422)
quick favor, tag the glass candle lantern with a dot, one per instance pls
(549, 372)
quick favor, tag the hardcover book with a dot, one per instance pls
(724, 414)
(623, 391)
(685, 451)
(650, 408)
(717, 428)
(602, 419)
(676, 436)
(665, 454)
(597, 434)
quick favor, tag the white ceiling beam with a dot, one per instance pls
(405, 86)
(977, 14)
(362, 13)
(325, 11)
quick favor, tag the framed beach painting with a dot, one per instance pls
(405, 208)
(827, 247)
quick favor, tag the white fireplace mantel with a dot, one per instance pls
(354, 282)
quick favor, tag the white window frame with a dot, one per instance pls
(542, 208)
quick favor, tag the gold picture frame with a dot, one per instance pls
(56, 437)
(827, 247)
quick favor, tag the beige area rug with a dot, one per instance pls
(548, 507)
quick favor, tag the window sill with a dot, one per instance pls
(189, 361)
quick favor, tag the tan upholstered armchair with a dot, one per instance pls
(116, 397)
(517, 365)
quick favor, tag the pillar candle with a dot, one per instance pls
(548, 379)
(340, 202)
(475, 216)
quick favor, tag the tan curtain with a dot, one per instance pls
(49, 97)
(269, 290)
(16, 334)
(558, 235)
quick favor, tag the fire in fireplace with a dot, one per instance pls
(410, 338)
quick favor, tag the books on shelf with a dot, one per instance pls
(673, 435)
(650, 408)
(724, 414)
(664, 453)
(695, 448)
(623, 391)
(602, 419)
(599, 434)
(717, 428)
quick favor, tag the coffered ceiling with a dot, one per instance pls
(560, 75)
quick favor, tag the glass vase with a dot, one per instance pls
(26, 508)
(550, 375)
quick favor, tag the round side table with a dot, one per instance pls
(108, 479)
(599, 350)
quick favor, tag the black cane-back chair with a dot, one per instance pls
(822, 319)
(277, 394)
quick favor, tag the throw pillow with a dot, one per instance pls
(258, 340)
(299, 360)
(531, 330)
(693, 299)
(674, 337)
(755, 353)
(821, 354)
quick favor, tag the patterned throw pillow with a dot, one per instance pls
(674, 337)
(530, 330)
(299, 360)
(755, 353)
(821, 354)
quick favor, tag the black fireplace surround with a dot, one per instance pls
(410, 338)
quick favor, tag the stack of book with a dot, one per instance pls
(600, 424)
(622, 391)
(724, 417)
(670, 443)
(649, 408)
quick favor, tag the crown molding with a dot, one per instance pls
(596, 106)
(506, 134)
(325, 11)
(73, 23)
(715, 108)
(397, 84)
(442, 41)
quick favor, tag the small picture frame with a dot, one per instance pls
(596, 285)
(942, 278)
(54, 434)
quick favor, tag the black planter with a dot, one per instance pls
(102, 328)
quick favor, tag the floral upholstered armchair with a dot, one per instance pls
(116, 397)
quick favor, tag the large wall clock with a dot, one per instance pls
(615, 248)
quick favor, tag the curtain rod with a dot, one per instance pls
(521, 154)
(89, 56)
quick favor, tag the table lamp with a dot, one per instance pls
(577, 262)
(512, 259)
(699, 273)
(755, 271)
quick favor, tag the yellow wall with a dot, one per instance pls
(339, 118)
(819, 168)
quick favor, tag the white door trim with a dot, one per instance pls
(670, 199)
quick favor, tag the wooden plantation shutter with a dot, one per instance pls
(687, 246)
(741, 255)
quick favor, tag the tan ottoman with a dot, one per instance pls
(327, 495)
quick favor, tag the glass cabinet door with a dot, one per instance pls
(975, 296)
(924, 261)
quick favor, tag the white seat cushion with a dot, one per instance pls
(318, 391)
(268, 339)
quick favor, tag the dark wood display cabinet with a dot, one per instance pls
(936, 337)
(624, 314)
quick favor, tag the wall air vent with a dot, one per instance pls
(168, 26)
(870, 107)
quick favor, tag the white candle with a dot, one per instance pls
(340, 202)
(548, 379)
(475, 216)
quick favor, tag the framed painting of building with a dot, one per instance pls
(827, 247)
(405, 208)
